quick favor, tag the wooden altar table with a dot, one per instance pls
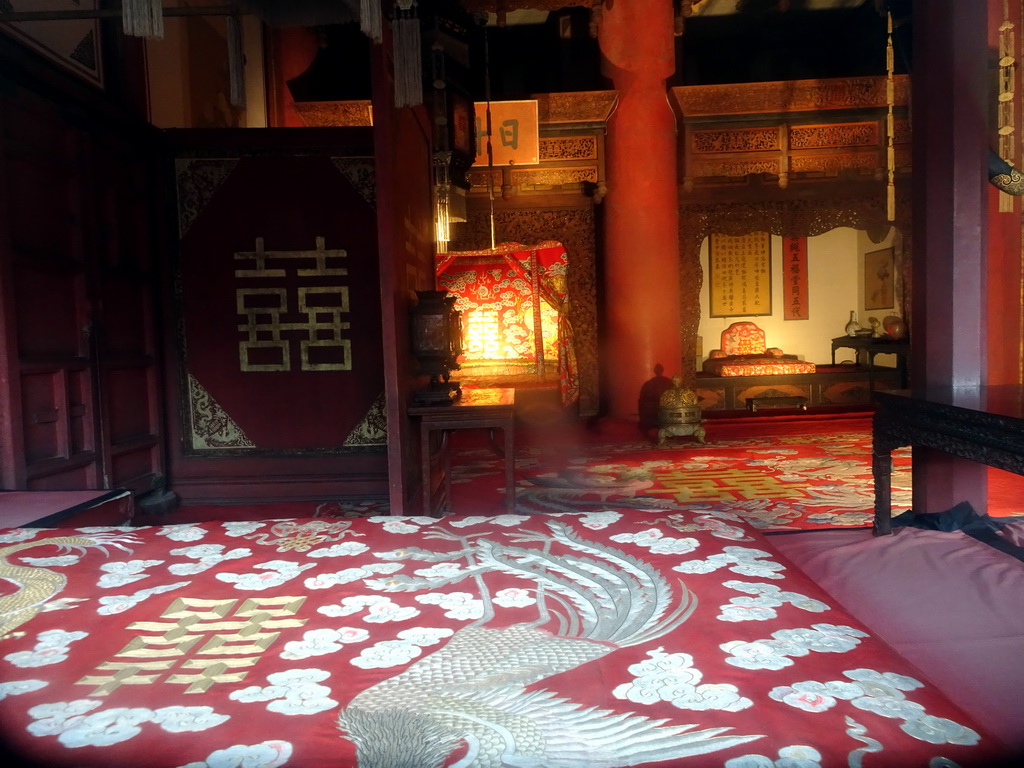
(984, 424)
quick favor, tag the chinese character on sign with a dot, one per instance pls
(740, 274)
(514, 133)
(796, 267)
(318, 322)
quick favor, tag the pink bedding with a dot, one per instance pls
(949, 603)
(600, 639)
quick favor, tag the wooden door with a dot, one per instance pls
(78, 365)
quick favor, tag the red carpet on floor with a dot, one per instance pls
(786, 471)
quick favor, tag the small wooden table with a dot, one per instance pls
(485, 408)
(984, 424)
(869, 347)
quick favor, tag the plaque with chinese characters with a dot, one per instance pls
(740, 275)
(794, 277)
(515, 137)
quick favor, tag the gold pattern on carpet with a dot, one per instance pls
(725, 485)
(233, 642)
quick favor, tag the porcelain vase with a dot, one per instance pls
(853, 326)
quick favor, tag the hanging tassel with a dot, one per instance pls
(370, 20)
(890, 127)
(442, 201)
(236, 62)
(143, 18)
(408, 59)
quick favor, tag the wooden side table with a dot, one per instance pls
(867, 347)
(486, 408)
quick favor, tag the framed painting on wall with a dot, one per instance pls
(740, 274)
(878, 279)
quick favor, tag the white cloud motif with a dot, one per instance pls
(514, 597)
(657, 542)
(457, 605)
(19, 535)
(275, 573)
(401, 524)
(112, 604)
(774, 653)
(506, 521)
(439, 571)
(62, 604)
(206, 555)
(293, 692)
(597, 521)
(320, 642)
(881, 693)
(73, 727)
(672, 677)
(124, 572)
(796, 756)
(348, 575)
(344, 549)
(742, 560)
(266, 754)
(16, 687)
(380, 609)
(187, 719)
(51, 648)
(761, 607)
(242, 528)
(51, 562)
(392, 653)
(184, 532)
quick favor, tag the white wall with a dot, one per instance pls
(188, 75)
(835, 280)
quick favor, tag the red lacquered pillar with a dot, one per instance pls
(641, 209)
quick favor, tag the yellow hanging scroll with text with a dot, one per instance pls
(740, 275)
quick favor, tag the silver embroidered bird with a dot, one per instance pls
(472, 694)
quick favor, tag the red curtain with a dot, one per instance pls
(504, 282)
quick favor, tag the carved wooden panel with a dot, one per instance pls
(568, 148)
(833, 135)
(735, 140)
(553, 177)
(834, 162)
(789, 96)
(734, 167)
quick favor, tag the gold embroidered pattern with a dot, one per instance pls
(265, 346)
(373, 429)
(728, 485)
(212, 427)
(217, 639)
(301, 537)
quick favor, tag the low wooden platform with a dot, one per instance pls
(830, 385)
(51, 509)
